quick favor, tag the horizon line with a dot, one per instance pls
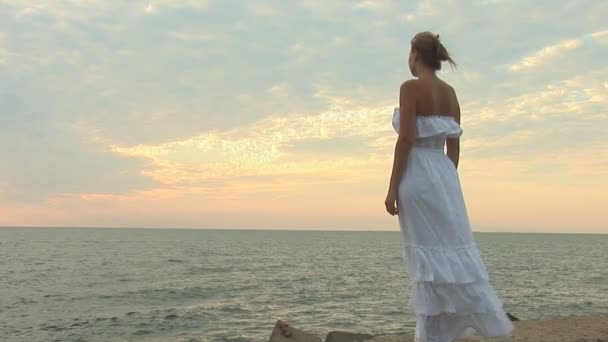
(283, 229)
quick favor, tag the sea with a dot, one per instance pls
(110, 284)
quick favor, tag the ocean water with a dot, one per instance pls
(85, 284)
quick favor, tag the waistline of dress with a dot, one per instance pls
(428, 149)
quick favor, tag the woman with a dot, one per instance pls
(451, 294)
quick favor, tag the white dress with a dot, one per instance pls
(451, 294)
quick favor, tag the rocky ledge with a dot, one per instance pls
(588, 328)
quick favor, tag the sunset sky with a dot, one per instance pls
(277, 114)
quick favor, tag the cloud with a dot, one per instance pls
(262, 9)
(427, 8)
(154, 6)
(409, 17)
(4, 54)
(260, 149)
(374, 5)
(57, 8)
(546, 53)
(600, 35)
(196, 36)
(279, 90)
(576, 99)
(553, 51)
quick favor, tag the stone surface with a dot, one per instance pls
(343, 336)
(283, 332)
(583, 328)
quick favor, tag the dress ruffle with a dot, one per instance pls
(449, 326)
(451, 294)
(431, 299)
(432, 125)
(445, 265)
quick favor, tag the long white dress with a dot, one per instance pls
(451, 294)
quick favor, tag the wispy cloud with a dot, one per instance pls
(196, 35)
(262, 9)
(582, 97)
(260, 149)
(600, 35)
(374, 4)
(552, 51)
(546, 53)
(154, 6)
(3, 52)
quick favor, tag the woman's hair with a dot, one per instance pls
(432, 52)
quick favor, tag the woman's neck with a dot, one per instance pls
(426, 73)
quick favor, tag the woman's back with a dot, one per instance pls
(436, 97)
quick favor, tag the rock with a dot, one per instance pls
(393, 338)
(512, 318)
(342, 336)
(283, 332)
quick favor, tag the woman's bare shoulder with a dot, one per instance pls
(447, 86)
(412, 82)
(411, 85)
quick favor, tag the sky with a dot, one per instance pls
(277, 114)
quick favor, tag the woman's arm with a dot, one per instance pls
(453, 144)
(405, 141)
(453, 150)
